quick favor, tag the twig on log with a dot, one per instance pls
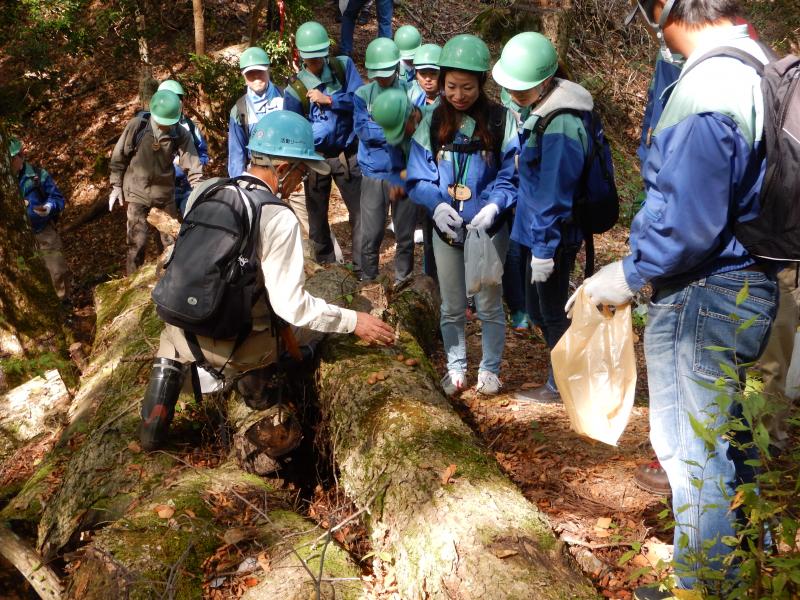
(28, 562)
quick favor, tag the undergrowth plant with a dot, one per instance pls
(764, 556)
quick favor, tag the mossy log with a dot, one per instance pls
(163, 546)
(439, 504)
(98, 483)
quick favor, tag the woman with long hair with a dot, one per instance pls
(461, 168)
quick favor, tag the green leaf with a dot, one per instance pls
(718, 348)
(729, 371)
(743, 294)
(626, 557)
(349, 298)
(747, 324)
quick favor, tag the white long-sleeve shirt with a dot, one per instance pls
(280, 250)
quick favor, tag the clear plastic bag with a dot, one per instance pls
(595, 369)
(482, 264)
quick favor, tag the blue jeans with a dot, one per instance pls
(489, 302)
(682, 323)
(545, 301)
(514, 276)
(384, 8)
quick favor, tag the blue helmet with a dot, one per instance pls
(285, 134)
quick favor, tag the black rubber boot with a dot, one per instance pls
(158, 406)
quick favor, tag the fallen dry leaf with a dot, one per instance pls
(190, 513)
(448, 473)
(603, 523)
(134, 447)
(251, 581)
(263, 561)
(504, 552)
(164, 511)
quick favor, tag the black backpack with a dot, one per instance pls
(595, 207)
(775, 233)
(213, 277)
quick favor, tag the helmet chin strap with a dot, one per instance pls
(666, 54)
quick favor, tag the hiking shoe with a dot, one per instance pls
(489, 384)
(652, 478)
(543, 394)
(652, 593)
(454, 382)
(520, 321)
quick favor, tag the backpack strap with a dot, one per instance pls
(301, 90)
(337, 70)
(241, 116)
(730, 52)
(141, 127)
(497, 130)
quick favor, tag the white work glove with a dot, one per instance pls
(484, 218)
(116, 196)
(43, 209)
(541, 269)
(447, 219)
(607, 286)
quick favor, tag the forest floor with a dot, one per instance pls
(586, 488)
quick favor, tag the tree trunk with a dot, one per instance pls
(31, 324)
(453, 524)
(164, 545)
(98, 484)
(199, 28)
(255, 19)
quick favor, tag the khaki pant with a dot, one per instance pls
(258, 350)
(297, 200)
(49, 243)
(774, 363)
(137, 232)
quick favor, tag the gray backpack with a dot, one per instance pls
(775, 233)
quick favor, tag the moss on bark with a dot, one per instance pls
(466, 534)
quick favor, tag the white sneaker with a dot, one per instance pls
(489, 384)
(453, 382)
(419, 237)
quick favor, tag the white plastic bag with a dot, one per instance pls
(792, 390)
(595, 369)
(482, 264)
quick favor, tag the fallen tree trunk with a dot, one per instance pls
(238, 527)
(41, 577)
(98, 485)
(453, 524)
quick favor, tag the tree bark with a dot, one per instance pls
(41, 577)
(453, 524)
(199, 28)
(163, 546)
(31, 324)
(255, 19)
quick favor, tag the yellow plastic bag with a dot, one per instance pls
(595, 369)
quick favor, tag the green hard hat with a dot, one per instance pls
(165, 107)
(382, 58)
(285, 134)
(312, 40)
(526, 61)
(466, 52)
(427, 56)
(408, 40)
(172, 86)
(390, 110)
(14, 147)
(253, 59)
